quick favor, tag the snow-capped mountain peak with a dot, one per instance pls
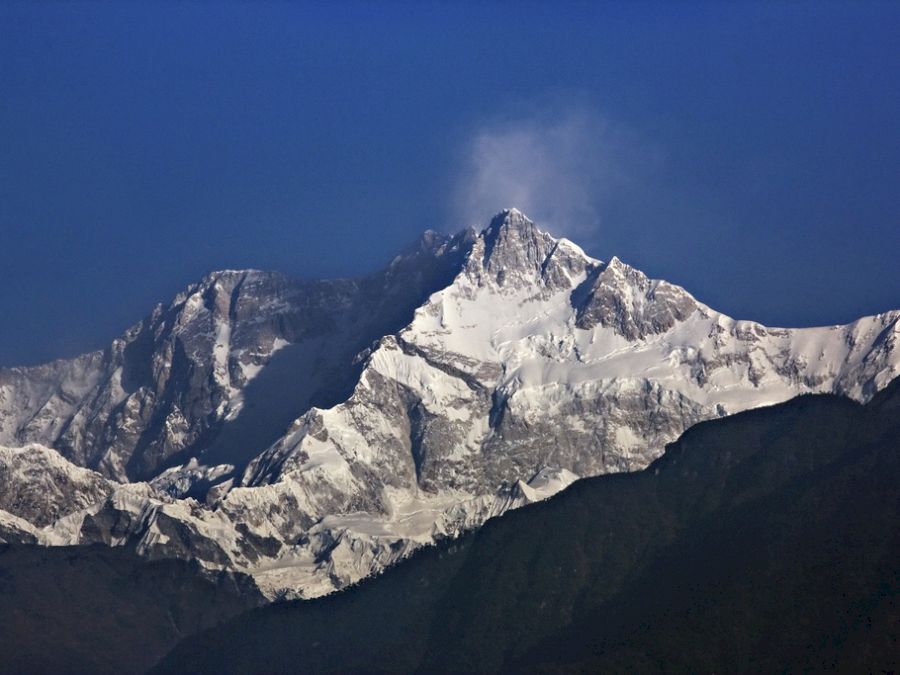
(513, 254)
(312, 433)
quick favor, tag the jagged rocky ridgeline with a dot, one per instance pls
(311, 433)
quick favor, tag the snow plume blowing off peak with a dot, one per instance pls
(562, 168)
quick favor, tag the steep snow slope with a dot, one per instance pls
(363, 434)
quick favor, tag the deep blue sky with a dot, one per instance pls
(142, 145)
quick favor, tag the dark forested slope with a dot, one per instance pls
(104, 610)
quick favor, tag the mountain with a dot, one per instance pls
(762, 542)
(311, 434)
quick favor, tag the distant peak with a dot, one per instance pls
(510, 218)
(512, 228)
(231, 276)
(429, 240)
(513, 253)
(433, 243)
(513, 212)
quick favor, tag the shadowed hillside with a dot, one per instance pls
(104, 610)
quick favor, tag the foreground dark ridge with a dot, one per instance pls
(764, 541)
(96, 609)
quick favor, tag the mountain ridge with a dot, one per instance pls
(310, 433)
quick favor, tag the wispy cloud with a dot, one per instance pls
(560, 165)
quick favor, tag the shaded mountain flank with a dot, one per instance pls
(96, 609)
(766, 541)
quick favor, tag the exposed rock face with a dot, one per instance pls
(310, 434)
(513, 253)
(624, 299)
(39, 486)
